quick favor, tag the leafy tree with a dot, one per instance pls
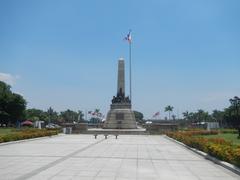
(69, 116)
(218, 116)
(95, 120)
(12, 105)
(192, 117)
(229, 117)
(202, 116)
(97, 110)
(138, 116)
(36, 114)
(52, 115)
(80, 116)
(5, 94)
(232, 113)
(186, 115)
(16, 107)
(169, 109)
(187, 118)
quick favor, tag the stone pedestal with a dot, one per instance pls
(120, 119)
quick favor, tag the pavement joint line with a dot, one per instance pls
(28, 156)
(224, 164)
(137, 164)
(119, 167)
(51, 164)
(150, 157)
(133, 158)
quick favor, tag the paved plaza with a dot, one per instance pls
(129, 157)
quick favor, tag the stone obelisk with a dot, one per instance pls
(120, 116)
(121, 77)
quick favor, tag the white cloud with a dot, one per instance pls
(8, 78)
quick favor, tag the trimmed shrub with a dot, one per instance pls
(229, 131)
(236, 156)
(26, 134)
(199, 132)
(217, 147)
(1, 139)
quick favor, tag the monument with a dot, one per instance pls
(120, 115)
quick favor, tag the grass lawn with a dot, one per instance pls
(4, 131)
(226, 136)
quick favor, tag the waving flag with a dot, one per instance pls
(156, 114)
(128, 37)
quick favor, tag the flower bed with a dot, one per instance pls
(26, 134)
(217, 147)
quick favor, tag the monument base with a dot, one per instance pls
(99, 131)
(120, 119)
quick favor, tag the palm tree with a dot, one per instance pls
(169, 109)
(186, 115)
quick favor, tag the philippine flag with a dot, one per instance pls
(128, 37)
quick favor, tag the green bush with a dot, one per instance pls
(1, 139)
(229, 131)
(217, 147)
(26, 134)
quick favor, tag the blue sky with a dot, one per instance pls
(64, 54)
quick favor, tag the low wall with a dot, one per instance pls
(159, 128)
(76, 128)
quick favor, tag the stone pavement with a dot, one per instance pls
(129, 157)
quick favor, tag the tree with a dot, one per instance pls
(95, 120)
(186, 115)
(218, 116)
(192, 117)
(5, 94)
(16, 107)
(80, 116)
(36, 114)
(138, 116)
(69, 116)
(12, 105)
(52, 115)
(229, 117)
(173, 117)
(202, 116)
(169, 109)
(187, 118)
(234, 112)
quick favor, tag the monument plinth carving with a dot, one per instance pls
(120, 116)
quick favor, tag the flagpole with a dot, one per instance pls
(130, 69)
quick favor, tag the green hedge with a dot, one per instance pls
(27, 134)
(217, 147)
(229, 131)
